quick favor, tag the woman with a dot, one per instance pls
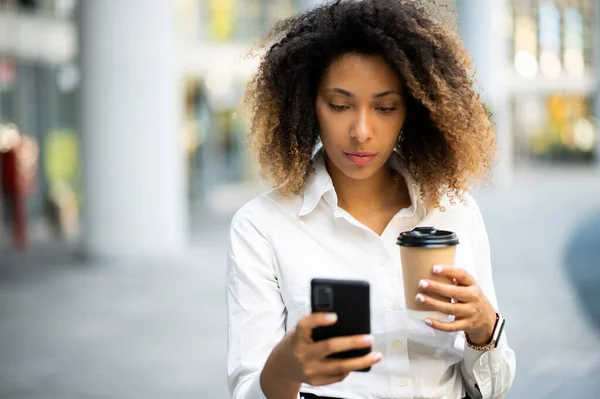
(365, 119)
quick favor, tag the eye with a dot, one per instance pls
(336, 107)
(386, 110)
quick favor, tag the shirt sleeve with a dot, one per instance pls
(487, 374)
(256, 312)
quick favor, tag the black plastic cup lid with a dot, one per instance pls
(427, 237)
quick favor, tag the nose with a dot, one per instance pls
(361, 130)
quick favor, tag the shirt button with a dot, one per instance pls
(396, 223)
(384, 262)
(403, 382)
(395, 306)
(397, 344)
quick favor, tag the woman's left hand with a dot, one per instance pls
(473, 313)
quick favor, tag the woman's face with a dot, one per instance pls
(361, 110)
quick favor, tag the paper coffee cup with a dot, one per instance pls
(420, 250)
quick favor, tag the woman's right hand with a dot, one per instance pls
(298, 359)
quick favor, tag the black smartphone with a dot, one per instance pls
(351, 301)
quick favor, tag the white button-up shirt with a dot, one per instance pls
(279, 243)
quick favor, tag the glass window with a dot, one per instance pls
(554, 127)
(553, 38)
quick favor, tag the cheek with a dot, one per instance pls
(392, 128)
(329, 138)
(330, 127)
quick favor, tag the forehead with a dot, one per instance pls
(361, 72)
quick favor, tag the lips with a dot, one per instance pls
(361, 158)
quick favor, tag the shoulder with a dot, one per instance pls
(261, 211)
(462, 215)
(455, 206)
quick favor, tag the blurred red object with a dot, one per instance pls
(19, 165)
(8, 166)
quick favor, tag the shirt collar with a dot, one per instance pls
(320, 185)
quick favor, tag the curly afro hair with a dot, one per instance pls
(448, 141)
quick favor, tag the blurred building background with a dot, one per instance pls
(536, 60)
(141, 156)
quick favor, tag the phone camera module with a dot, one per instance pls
(324, 298)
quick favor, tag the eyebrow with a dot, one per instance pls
(346, 93)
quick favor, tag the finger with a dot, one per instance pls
(455, 283)
(459, 293)
(462, 276)
(456, 309)
(456, 325)
(337, 366)
(313, 320)
(330, 346)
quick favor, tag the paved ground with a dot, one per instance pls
(531, 228)
(156, 329)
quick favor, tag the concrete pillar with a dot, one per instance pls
(134, 175)
(482, 25)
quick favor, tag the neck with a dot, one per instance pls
(368, 195)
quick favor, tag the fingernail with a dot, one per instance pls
(331, 317)
(376, 356)
(428, 322)
(423, 284)
(369, 339)
(437, 269)
(420, 298)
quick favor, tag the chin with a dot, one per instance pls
(359, 172)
